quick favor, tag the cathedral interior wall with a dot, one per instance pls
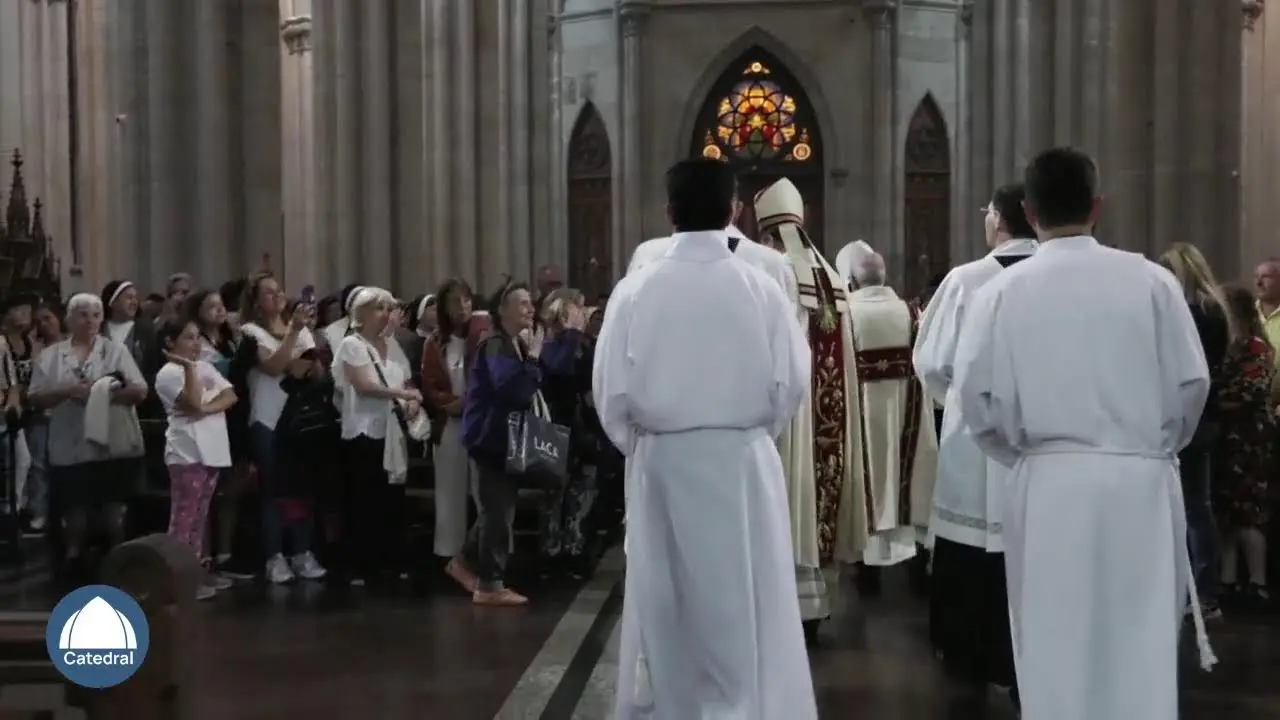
(926, 55)
(1260, 183)
(823, 45)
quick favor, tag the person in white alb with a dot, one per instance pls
(1081, 369)
(700, 364)
(969, 602)
(372, 374)
(195, 397)
(280, 341)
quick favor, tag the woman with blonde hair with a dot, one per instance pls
(1217, 329)
(373, 379)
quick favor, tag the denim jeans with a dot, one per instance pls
(262, 445)
(1202, 529)
(489, 544)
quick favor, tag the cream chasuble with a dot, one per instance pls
(820, 447)
(901, 448)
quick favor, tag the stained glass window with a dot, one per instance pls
(757, 120)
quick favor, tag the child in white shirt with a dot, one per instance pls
(195, 398)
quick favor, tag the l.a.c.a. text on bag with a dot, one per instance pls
(546, 447)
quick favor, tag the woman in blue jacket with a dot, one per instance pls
(503, 380)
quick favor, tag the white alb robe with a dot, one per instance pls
(901, 447)
(699, 365)
(1081, 369)
(772, 262)
(968, 497)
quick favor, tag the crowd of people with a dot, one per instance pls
(285, 430)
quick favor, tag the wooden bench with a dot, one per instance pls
(158, 572)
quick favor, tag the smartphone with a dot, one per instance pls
(309, 295)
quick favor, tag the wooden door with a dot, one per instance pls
(590, 199)
(926, 199)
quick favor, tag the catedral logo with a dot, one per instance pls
(97, 636)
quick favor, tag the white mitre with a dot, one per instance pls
(779, 203)
(851, 256)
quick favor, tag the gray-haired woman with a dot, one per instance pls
(88, 470)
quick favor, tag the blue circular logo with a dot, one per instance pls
(97, 636)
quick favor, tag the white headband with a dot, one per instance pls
(116, 295)
(422, 306)
(351, 299)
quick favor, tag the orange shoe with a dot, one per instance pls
(461, 575)
(505, 597)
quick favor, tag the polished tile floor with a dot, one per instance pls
(268, 653)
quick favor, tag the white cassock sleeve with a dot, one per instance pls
(610, 372)
(935, 352)
(985, 380)
(1184, 372)
(792, 358)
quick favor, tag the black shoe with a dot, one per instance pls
(811, 628)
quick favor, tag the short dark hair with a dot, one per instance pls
(1007, 202)
(700, 194)
(1061, 185)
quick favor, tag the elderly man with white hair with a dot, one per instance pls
(898, 437)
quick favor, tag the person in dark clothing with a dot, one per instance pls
(1216, 329)
(564, 533)
(505, 378)
(307, 439)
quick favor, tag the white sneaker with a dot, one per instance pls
(278, 571)
(307, 567)
(204, 592)
(218, 581)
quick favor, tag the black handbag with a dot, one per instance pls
(537, 448)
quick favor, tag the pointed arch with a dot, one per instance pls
(729, 58)
(757, 113)
(590, 203)
(926, 196)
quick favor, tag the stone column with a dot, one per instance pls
(31, 94)
(633, 188)
(58, 208)
(10, 78)
(882, 14)
(503, 141)
(521, 115)
(347, 262)
(158, 128)
(464, 169)
(440, 106)
(300, 261)
(410, 81)
(1066, 74)
(1002, 114)
(1093, 77)
(965, 242)
(1023, 60)
(376, 191)
(1166, 204)
(558, 195)
(213, 174)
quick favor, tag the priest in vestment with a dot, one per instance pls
(700, 364)
(820, 448)
(900, 456)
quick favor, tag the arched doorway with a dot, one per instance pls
(926, 198)
(758, 118)
(590, 196)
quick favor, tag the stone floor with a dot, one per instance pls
(267, 653)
